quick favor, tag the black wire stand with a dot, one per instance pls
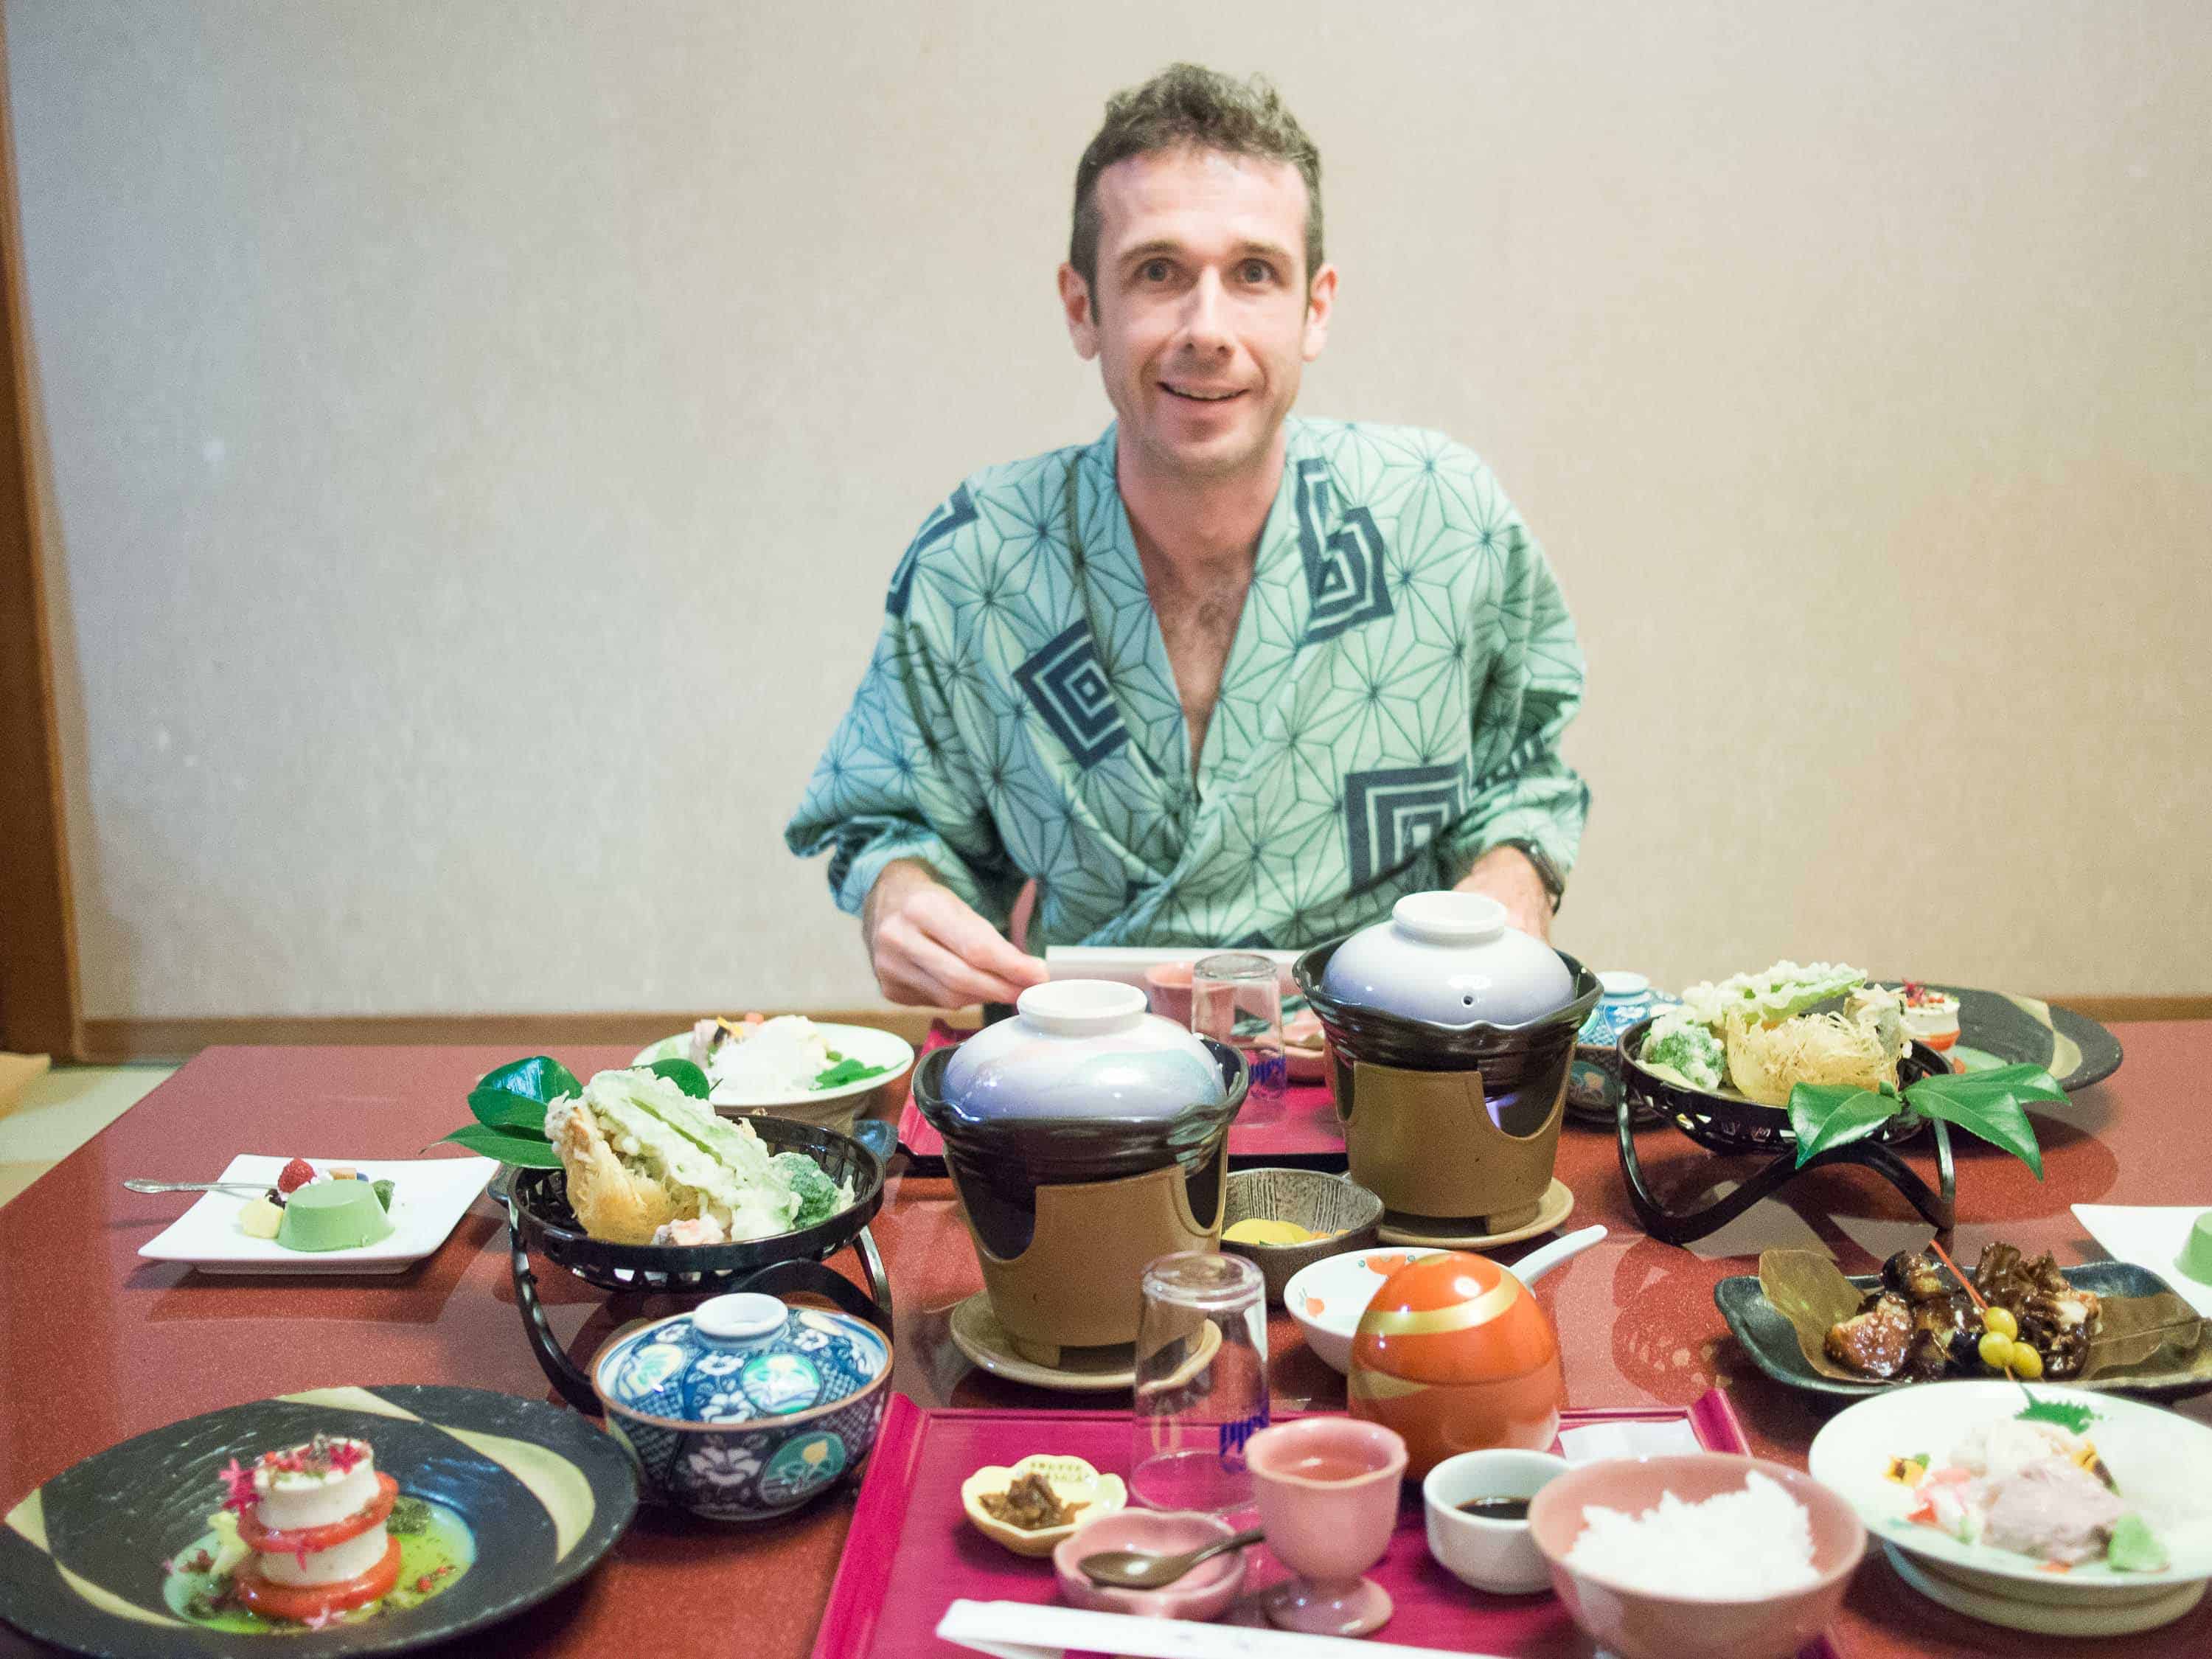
(1733, 1127)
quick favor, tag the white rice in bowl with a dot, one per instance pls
(1734, 1546)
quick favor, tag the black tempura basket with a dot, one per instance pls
(539, 1220)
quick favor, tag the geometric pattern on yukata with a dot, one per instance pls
(950, 516)
(1391, 813)
(1344, 573)
(1067, 685)
(1392, 704)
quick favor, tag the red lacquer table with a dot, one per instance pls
(97, 1345)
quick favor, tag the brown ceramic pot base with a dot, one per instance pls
(1477, 1232)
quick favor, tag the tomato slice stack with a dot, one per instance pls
(305, 1602)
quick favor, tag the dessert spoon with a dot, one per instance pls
(138, 1184)
(1139, 1570)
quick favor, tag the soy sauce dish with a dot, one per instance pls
(1477, 1507)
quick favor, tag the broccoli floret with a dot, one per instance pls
(819, 1197)
(1688, 1050)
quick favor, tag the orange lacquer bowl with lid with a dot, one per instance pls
(1456, 1355)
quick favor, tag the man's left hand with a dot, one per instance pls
(1506, 874)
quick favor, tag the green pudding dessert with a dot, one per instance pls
(333, 1215)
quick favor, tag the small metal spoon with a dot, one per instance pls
(1135, 1569)
(138, 1184)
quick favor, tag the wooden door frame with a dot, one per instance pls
(40, 1009)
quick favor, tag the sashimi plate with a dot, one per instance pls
(2161, 1467)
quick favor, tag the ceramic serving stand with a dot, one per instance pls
(539, 1220)
(1450, 1122)
(1732, 1125)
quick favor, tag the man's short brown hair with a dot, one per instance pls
(1186, 105)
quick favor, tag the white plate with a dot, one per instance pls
(2161, 1462)
(1326, 1297)
(862, 1042)
(2150, 1236)
(428, 1195)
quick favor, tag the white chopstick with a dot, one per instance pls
(1023, 1629)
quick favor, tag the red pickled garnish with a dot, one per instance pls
(239, 1483)
(345, 1455)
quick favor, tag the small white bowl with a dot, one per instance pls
(1326, 1298)
(1493, 1555)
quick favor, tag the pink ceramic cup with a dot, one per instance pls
(1327, 1492)
(1167, 988)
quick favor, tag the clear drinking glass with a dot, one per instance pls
(1201, 1364)
(1237, 998)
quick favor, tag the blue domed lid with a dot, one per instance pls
(741, 1358)
(1449, 959)
(1081, 1049)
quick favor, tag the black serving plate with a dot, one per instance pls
(544, 1222)
(544, 1491)
(1771, 1340)
(1996, 1028)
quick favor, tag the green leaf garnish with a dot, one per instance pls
(2068, 1414)
(1829, 1114)
(409, 1515)
(684, 1075)
(845, 1071)
(496, 1109)
(539, 1078)
(1986, 1104)
(529, 1151)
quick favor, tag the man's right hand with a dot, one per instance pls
(930, 948)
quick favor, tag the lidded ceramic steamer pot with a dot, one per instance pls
(1449, 959)
(1449, 1037)
(1084, 1137)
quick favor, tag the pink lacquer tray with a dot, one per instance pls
(911, 1552)
(1306, 1129)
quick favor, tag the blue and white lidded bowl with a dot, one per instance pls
(745, 1408)
(1624, 998)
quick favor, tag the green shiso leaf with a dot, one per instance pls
(540, 1078)
(529, 1151)
(844, 1071)
(684, 1075)
(1825, 1115)
(2071, 1415)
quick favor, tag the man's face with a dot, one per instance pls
(1202, 318)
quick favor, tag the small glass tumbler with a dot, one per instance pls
(1237, 998)
(1202, 1371)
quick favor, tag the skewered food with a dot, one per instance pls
(1923, 1324)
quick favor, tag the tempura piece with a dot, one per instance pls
(1766, 1062)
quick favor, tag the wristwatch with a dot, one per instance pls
(1547, 872)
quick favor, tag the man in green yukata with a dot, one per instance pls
(1222, 677)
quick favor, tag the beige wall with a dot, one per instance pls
(478, 437)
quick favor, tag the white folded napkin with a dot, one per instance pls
(2150, 1236)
